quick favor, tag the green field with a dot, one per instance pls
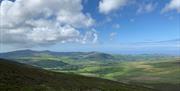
(150, 73)
(20, 77)
(161, 72)
(163, 75)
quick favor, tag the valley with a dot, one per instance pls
(161, 72)
(21, 77)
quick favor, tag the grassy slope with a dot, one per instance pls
(160, 73)
(157, 71)
(163, 75)
(20, 77)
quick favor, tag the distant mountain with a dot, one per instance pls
(98, 56)
(73, 55)
(15, 54)
(20, 77)
(71, 60)
(60, 60)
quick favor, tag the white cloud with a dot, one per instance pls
(107, 6)
(90, 36)
(132, 20)
(36, 22)
(116, 26)
(112, 35)
(146, 8)
(173, 5)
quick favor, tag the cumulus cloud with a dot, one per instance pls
(173, 5)
(112, 35)
(116, 26)
(40, 22)
(90, 36)
(146, 8)
(107, 6)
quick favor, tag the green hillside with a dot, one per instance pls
(161, 72)
(20, 77)
(162, 75)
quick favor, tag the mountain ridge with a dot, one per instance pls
(76, 55)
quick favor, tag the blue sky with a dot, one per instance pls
(117, 26)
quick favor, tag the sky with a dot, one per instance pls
(112, 26)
